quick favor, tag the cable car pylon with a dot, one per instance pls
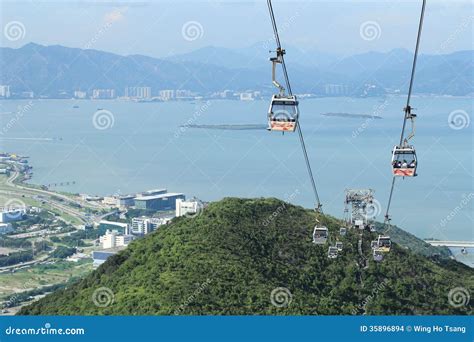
(287, 118)
(404, 152)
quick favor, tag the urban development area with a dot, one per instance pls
(49, 239)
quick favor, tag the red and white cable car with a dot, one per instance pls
(283, 113)
(404, 162)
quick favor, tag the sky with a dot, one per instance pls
(164, 28)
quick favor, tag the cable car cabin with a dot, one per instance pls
(320, 235)
(404, 161)
(372, 228)
(384, 244)
(378, 255)
(339, 246)
(332, 252)
(374, 244)
(283, 114)
(342, 231)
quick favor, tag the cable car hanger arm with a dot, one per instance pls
(408, 114)
(280, 57)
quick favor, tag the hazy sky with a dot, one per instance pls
(161, 28)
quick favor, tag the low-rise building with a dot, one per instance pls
(113, 238)
(145, 225)
(5, 228)
(187, 207)
(126, 201)
(101, 256)
(12, 215)
(113, 201)
(120, 227)
(163, 202)
(154, 192)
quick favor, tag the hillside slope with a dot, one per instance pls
(230, 258)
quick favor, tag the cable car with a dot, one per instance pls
(343, 231)
(372, 228)
(320, 235)
(283, 113)
(339, 246)
(378, 255)
(332, 252)
(404, 161)
(384, 243)
(374, 244)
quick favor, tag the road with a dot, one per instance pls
(48, 197)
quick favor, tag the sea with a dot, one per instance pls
(102, 147)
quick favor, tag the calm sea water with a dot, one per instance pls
(145, 148)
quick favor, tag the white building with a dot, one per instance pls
(138, 92)
(246, 97)
(142, 226)
(103, 94)
(113, 239)
(145, 225)
(78, 94)
(5, 228)
(5, 91)
(12, 215)
(167, 94)
(187, 207)
(113, 201)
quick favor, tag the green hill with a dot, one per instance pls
(256, 256)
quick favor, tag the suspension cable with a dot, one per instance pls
(288, 87)
(407, 108)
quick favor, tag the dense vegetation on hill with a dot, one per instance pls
(230, 258)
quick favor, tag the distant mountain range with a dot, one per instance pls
(58, 71)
